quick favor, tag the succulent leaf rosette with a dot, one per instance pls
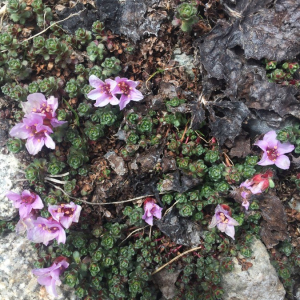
(187, 14)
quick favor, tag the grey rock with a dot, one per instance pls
(187, 61)
(116, 162)
(17, 256)
(259, 282)
(9, 168)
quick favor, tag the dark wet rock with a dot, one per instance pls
(198, 114)
(177, 182)
(241, 146)
(132, 18)
(108, 189)
(181, 230)
(229, 125)
(231, 55)
(148, 161)
(168, 164)
(85, 19)
(274, 224)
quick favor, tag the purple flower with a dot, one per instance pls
(128, 90)
(103, 91)
(65, 213)
(49, 277)
(25, 224)
(274, 151)
(38, 104)
(245, 201)
(26, 202)
(151, 209)
(35, 132)
(45, 231)
(223, 220)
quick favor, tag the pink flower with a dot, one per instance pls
(274, 151)
(259, 182)
(128, 90)
(38, 104)
(49, 277)
(223, 220)
(26, 202)
(45, 231)
(65, 213)
(151, 209)
(35, 132)
(103, 91)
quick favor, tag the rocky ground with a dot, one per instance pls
(220, 69)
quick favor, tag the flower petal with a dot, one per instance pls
(102, 101)
(13, 196)
(124, 101)
(20, 131)
(284, 148)
(112, 83)
(36, 97)
(230, 231)
(270, 138)
(95, 82)
(157, 212)
(246, 204)
(283, 162)
(265, 161)
(49, 142)
(136, 95)
(213, 222)
(114, 100)
(34, 146)
(95, 94)
(263, 145)
(222, 227)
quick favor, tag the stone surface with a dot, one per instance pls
(17, 256)
(8, 171)
(186, 61)
(116, 162)
(259, 282)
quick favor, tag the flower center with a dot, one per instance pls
(67, 211)
(53, 229)
(28, 200)
(105, 88)
(272, 153)
(124, 87)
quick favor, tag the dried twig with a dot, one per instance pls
(170, 208)
(185, 130)
(59, 175)
(41, 32)
(92, 203)
(55, 180)
(175, 258)
(128, 236)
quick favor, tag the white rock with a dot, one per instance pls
(259, 282)
(9, 168)
(17, 256)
